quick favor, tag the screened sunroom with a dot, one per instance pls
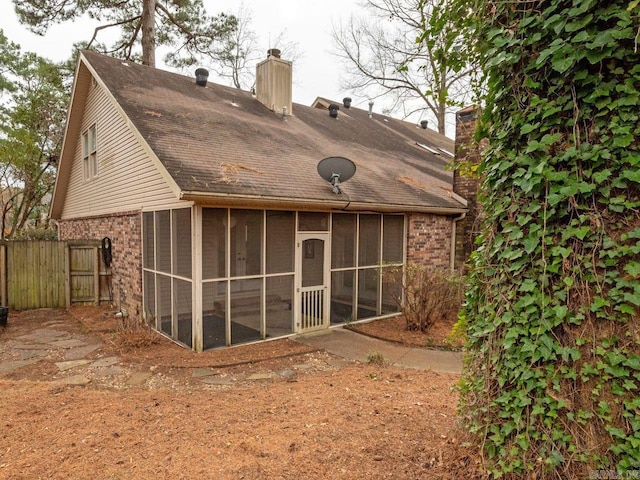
(214, 277)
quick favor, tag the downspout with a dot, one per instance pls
(452, 259)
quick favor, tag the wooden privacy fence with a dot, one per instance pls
(50, 274)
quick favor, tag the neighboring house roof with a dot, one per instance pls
(218, 143)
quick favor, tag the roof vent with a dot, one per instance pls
(333, 110)
(346, 101)
(202, 74)
(424, 124)
(273, 52)
(370, 108)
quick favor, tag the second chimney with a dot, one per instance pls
(274, 83)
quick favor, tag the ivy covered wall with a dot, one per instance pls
(551, 387)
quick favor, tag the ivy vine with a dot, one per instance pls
(551, 387)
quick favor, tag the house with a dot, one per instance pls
(222, 231)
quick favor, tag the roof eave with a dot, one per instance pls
(342, 203)
(55, 208)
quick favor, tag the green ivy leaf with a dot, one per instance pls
(578, 24)
(633, 268)
(633, 175)
(623, 140)
(560, 311)
(562, 64)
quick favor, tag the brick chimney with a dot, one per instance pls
(274, 83)
(466, 183)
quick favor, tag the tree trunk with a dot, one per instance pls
(148, 33)
(442, 118)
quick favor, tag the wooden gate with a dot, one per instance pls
(84, 274)
(51, 274)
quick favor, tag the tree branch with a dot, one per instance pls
(116, 24)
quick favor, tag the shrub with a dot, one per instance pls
(131, 333)
(425, 295)
(36, 233)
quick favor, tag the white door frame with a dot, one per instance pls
(318, 296)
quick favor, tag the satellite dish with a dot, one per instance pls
(335, 170)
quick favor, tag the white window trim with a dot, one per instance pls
(90, 165)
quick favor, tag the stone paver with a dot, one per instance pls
(53, 323)
(75, 380)
(80, 352)
(288, 375)
(68, 365)
(217, 380)
(138, 378)
(110, 371)
(202, 372)
(105, 362)
(8, 367)
(303, 366)
(68, 343)
(44, 335)
(261, 376)
(28, 354)
(31, 346)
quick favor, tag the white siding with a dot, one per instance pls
(128, 179)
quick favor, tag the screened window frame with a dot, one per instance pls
(172, 276)
(264, 277)
(227, 279)
(379, 267)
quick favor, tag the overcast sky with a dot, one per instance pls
(307, 23)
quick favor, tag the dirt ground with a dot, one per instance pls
(275, 410)
(393, 329)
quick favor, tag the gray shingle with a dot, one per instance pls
(218, 139)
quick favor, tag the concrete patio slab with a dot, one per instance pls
(355, 346)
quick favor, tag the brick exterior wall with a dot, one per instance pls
(467, 150)
(429, 240)
(124, 230)
(428, 244)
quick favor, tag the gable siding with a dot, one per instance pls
(127, 177)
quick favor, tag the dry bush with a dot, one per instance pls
(131, 333)
(425, 295)
(376, 358)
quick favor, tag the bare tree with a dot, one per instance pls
(234, 58)
(184, 25)
(386, 56)
(238, 52)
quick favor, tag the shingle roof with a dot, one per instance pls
(220, 140)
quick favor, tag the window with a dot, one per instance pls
(248, 263)
(90, 158)
(361, 290)
(166, 260)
